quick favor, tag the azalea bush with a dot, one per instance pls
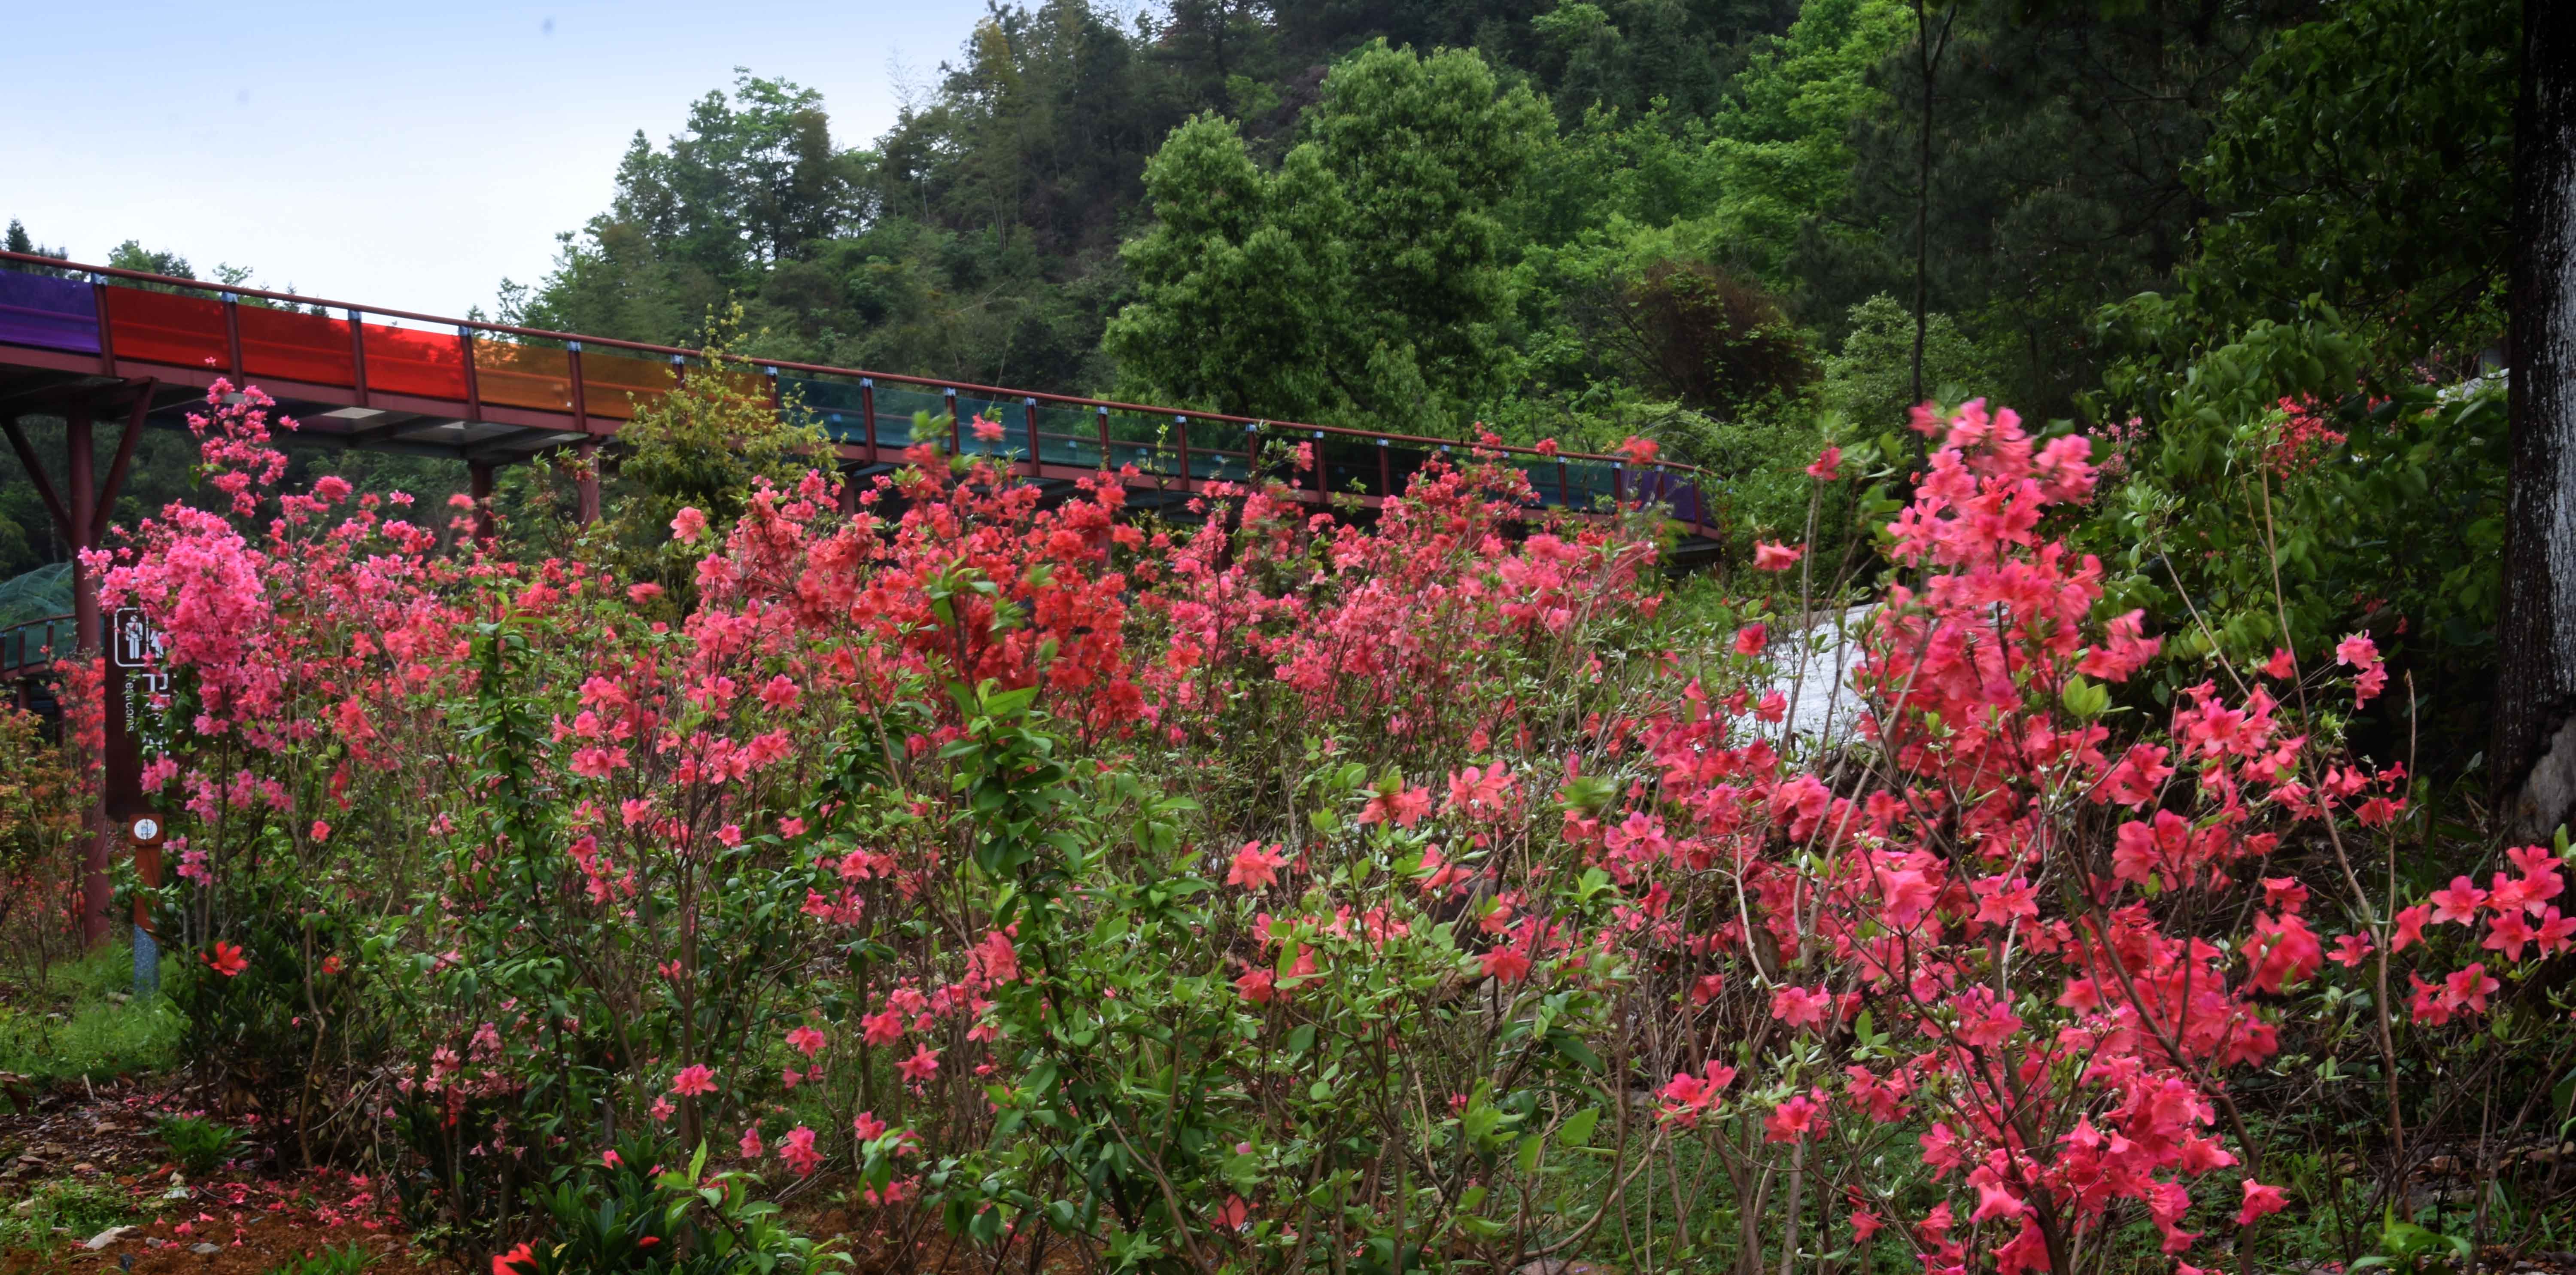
(41, 809)
(1276, 891)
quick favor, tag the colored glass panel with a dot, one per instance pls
(1143, 441)
(521, 375)
(1068, 436)
(1351, 464)
(312, 348)
(1673, 491)
(46, 312)
(168, 327)
(750, 383)
(897, 406)
(410, 361)
(1545, 478)
(1013, 444)
(836, 407)
(1216, 449)
(1589, 482)
(614, 385)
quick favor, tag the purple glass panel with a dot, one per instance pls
(55, 314)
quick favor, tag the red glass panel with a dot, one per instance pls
(614, 385)
(522, 375)
(408, 361)
(312, 348)
(168, 327)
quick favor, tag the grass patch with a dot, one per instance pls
(78, 1022)
(79, 1209)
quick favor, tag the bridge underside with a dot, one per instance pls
(88, 344)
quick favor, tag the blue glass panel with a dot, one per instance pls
(50, 313)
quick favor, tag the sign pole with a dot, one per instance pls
(134, 648)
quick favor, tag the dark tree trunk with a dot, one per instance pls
(2534, 754)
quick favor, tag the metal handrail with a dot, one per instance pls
(968, 387)
(22, 652)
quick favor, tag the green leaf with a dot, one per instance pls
(1574, 1048)
(2084, 699)
(1578, 1127)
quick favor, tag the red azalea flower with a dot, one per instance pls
(227, 959)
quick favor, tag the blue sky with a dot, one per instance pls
(403, 154)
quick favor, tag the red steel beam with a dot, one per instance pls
(124, 461)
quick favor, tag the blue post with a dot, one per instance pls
(147, 964)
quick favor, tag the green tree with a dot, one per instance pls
(2062, 140)
(751, 181)
(1392, 289)
(1869, 380)
(2366, 159)
(1782, 153)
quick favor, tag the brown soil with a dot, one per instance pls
(251, 1247)
(256, 1221)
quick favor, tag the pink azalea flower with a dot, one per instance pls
(2260, 1201)
(1256, 866)
(923, 1064)
(1773, 556)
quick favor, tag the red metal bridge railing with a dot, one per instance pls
(498, 392)
(30, 648)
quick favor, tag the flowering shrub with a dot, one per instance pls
(40, 822)
(1287, 893)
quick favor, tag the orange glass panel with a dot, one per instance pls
(168, 327)
(409, 361)
(736, 379)
(614, 385)
(312, 348)
(749, 384)
(522, 375)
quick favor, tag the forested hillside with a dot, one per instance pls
(1556, 214)
(1734, 226)
(2124, 835)
(1744, 229)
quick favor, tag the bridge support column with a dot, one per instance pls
(478, 485)
(586, 484)
(98, 886)
(79, 514)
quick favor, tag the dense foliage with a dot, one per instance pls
(1048, 881)
(1294, 896)
(1742, 228)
